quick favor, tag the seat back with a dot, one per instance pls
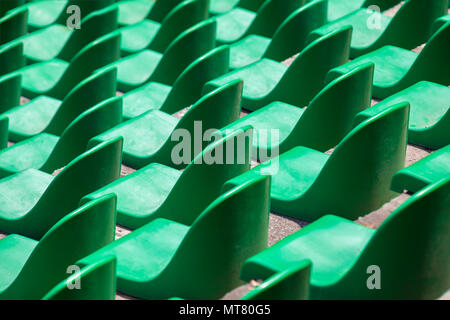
(231, 229)
(186, 48)
(93, 56)
(3, 132)
(189, 85)
(11, 57)
(161, 9)
(362, 165)
(69, 240)
(290, 38)
(97, 281)
(252, 5)
(75, 137)
(86, 7)
(13, 25)
(330, 115)
(182, 17)
(86, 173)
(10, 91)
(7, 5)
(289, 284)
(93, 26)
(417, 262)
(224, 159)
(92, 90)
(271, 15)
(306, 75)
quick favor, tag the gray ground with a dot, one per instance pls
(280, 226)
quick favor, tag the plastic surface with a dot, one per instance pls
(32, 201)
(197, 262)
(13, 25)
(342, 252)
(429, 120)
(397, 69)
(419, 175)
(47, 152)
(158, 191)
(267, 80)
(23, 258)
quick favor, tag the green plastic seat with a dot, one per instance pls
(149, 137)
(320, 126)
(289, 39)
(45, 13)
(239, 22)
(10, 91)
(340, 8)
(165, 259)
(7, 5)
(419, 175)
(397, 69)
(32, 201)
(148, 34)
(11, 58)
(55, 78)
(3, 132)
(148, 65)
(429, 120)
(48, 152)
(344, 254)
(29, 268)
(289, 284)
(390, 31)
(186, 89)
(97, 281)
(159, 191)
(440, 22)
(134, 11)
(58, 41)
(46, 114)
(267, 80)
(218, 7)
(13, 25)
(356, 177)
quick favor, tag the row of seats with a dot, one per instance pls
(200, 227)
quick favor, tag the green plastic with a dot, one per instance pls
(267, 80)
(355, 177)
(48, 152)
(440, 22)
(55, 78)
(134, 11)
(429, 123)
(289, 39)
(373, 30)
(29, 269)
(97, 282)
(148, 137)
(345, 254)
(165, 259)
(397, 69)
(7, 5)
(11, 58)
(218, 7)
(13, 25)
(10, 91)
(239, 22)
(289, 284)
(340, 8)
(58, 41)
(166, 67)
(32, 201)
(148, 34)
(320, 126)
(419, 175)
(46, 114)
(45, 13)
(159, 191)
(3, 132)
(186, 89)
